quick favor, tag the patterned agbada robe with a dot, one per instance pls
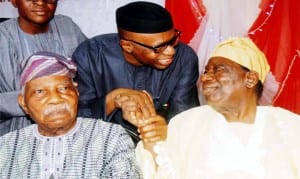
(16, 46)
(92, 149)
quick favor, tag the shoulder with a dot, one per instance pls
(62, 18)
(186, 55)
(195, 115)
(196, 111)
(16, 136)
(183, 48)
(192, 124)
(98, 42)
(279, 113)
(279, 118)
(105, 129)
(8, 22)
(65, 23)
(8, 26)
(103, 39)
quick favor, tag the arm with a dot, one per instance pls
(161, 158)
(122, 162)
(86, 57)
(9, 105)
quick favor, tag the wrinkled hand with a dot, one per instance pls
(153, 129)
(136, 105)
(138, 109)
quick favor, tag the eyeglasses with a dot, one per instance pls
(45, 1)
(161, 47)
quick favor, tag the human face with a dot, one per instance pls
(34, 14)
(51, 102)
(223, 82)
(156, 50)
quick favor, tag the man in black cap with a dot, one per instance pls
(141, 72)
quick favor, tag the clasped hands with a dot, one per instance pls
(138, 109)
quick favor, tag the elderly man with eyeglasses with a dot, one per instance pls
(35, 29)
(140, 72)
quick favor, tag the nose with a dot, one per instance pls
(207, 76)
(39, 2)
(54, 98)
(170, 50)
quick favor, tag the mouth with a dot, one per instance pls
(208, 90)
(166, 62)
(57, 113)
(40, 12)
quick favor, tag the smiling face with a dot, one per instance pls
(34, 15)
(51, 101)
(223, 82)
(139, 55)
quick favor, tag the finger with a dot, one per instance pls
(130, 105)
(149, 110)
(149, 127)
(128, 116)
(149, 96)
(119, 100)
(158, 128)
(149, 134)
(146, 112)
(152, 120)
(152, 127)
(144, 100)
(154, 130)
(152, 137)
(133, 118)
(140, 98)
(139, 116)
(149, 104)
(130, 113)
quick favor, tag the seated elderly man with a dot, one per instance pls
(231, 137)
(60, 145)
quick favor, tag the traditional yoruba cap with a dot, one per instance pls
(243, 51)
(143, 17)
(45, 64)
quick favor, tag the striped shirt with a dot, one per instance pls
(92, 149)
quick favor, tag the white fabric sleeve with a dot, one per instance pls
(145, 161)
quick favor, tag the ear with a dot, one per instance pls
(22, 103)
(251, 79)
(76, 87)
(126, 46)
(14, 3)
